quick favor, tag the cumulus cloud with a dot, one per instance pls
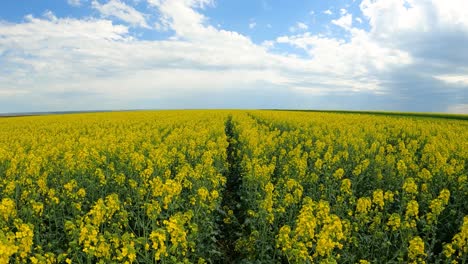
(96, 57)
(435, 31)
(412, 57)
(359, 59)
(346, 21)
(414, 51)
(118, 9)
(300, 26)
(328, 12)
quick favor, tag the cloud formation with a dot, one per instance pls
(412, 57)
(345, 21)
(118, 9)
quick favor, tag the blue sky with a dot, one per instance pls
(404, 55)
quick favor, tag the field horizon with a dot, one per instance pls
(233, 186)
(370, 112)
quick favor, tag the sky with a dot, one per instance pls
(393, 55)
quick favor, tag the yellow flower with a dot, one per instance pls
(176, 230)
(38, 208)
(394, 221)
(410, 186)
(318, 164)
(412, 209)
(401, 167)
(389, 196)
(158, 237)
(378, 198)
(416, 249)
(425, 175)
(346, 186)
(203, 193)
(214, 194)
(7, 208)
(424, 187)
(306, 222)
(70, 185)
(363, 205)
(283, 240)
(448, 250)
(267, 203)
(24, 237)
(460, 240)
(7, 248)
(444, 196)
(81, 193)
(338, 174)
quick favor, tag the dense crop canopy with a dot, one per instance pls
(233, 186)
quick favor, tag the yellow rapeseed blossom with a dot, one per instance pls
(378, 198)
(363, 205)
(448, 250)
(416, 253)
(158, 237)
(203, 194)
(346, 186)
(412, 209)
(7, 208)
(389, 196)
(24, 237)
(460, 240)
(394, 222)
(283, 240)
(38, 208)
(410, 186)
(338, 174)
(297, 187)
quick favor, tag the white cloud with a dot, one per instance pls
(252, 25)
(97, 57)
(300, 26)
(435, 31)
(389, 18)
(124, 67)
(74, 2)
(458, 109)
(359, 20)
(358, 58)
(61, 59)
(118, 9)
(346, 21)
(328, 12)
(453, 79)
(343, 11)
(49, 15)
(268, 44)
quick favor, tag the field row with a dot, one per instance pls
(233, 186)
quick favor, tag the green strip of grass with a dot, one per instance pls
(402, 114)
